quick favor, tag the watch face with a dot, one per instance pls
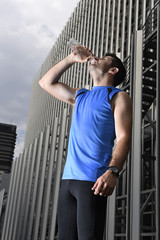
(114, 170)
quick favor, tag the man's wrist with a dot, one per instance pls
(114, 170)
(70, 60)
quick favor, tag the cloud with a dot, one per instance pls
(28, 31)
(20, 139)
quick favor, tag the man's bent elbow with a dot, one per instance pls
(42, 84)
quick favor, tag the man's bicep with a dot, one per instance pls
(62, 92)
(123, 116)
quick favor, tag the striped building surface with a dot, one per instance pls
(131, 29)
(7, 145)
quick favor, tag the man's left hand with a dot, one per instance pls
(105, 184)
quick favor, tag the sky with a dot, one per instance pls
(28, 30)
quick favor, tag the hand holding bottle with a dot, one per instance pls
(83, 53)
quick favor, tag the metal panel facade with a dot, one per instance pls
(131, 29)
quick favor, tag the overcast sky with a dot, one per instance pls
(28, 30)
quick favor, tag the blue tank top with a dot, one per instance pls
(92, 134)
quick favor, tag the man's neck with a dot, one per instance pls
(103, 83)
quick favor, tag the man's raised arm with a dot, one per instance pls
(49, 82)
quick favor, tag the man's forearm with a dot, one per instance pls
(60, 90)
(54, 74)
(120, 153)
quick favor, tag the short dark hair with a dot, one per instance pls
(116, 62)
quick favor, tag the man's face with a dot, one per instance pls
(100, 65)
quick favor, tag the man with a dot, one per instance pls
(91, 170)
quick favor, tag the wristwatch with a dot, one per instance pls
(114, 170)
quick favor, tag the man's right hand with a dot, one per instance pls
(81, 58)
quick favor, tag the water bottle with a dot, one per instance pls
(75, 46)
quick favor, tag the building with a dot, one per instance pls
(130, 28)
(7, 146)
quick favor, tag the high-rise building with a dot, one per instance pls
(7, 145)
(131, 29)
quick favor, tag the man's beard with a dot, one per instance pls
(96, 71)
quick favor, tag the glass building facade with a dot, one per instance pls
(131, 29)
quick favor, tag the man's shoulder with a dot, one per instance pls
(121, 99)
(81, 91)
(122, 95)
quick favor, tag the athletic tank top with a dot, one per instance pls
(92, 134)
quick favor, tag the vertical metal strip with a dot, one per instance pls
(102, 24)
(20, 195)
(15, 198)
(91, 25)
(58, 174)
(129, 35)
(110, 219)
(112, 26)
(24, 190)
(1, 199)
(152, 4)
(76, 23)
(28, 194)
(118, 27)
(88, 12)
(123, 30)
(136, 14)
(98, 35)
(70, 34)
(107, 25)
(136, 139)
(85, 30)
(76, 66)
(81, 22)
(9, 198)
(90, 38)
(41, 184)
(158, 129)
(49, 181)
(94, 36)
(92, 33)
(128, 201)
(128, 214)
(34, 193)
(144, 12)
(88, 33)
(82, 33)
(88, 4)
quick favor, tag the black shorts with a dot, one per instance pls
(81, 214)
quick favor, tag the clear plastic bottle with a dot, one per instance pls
(74, 45)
